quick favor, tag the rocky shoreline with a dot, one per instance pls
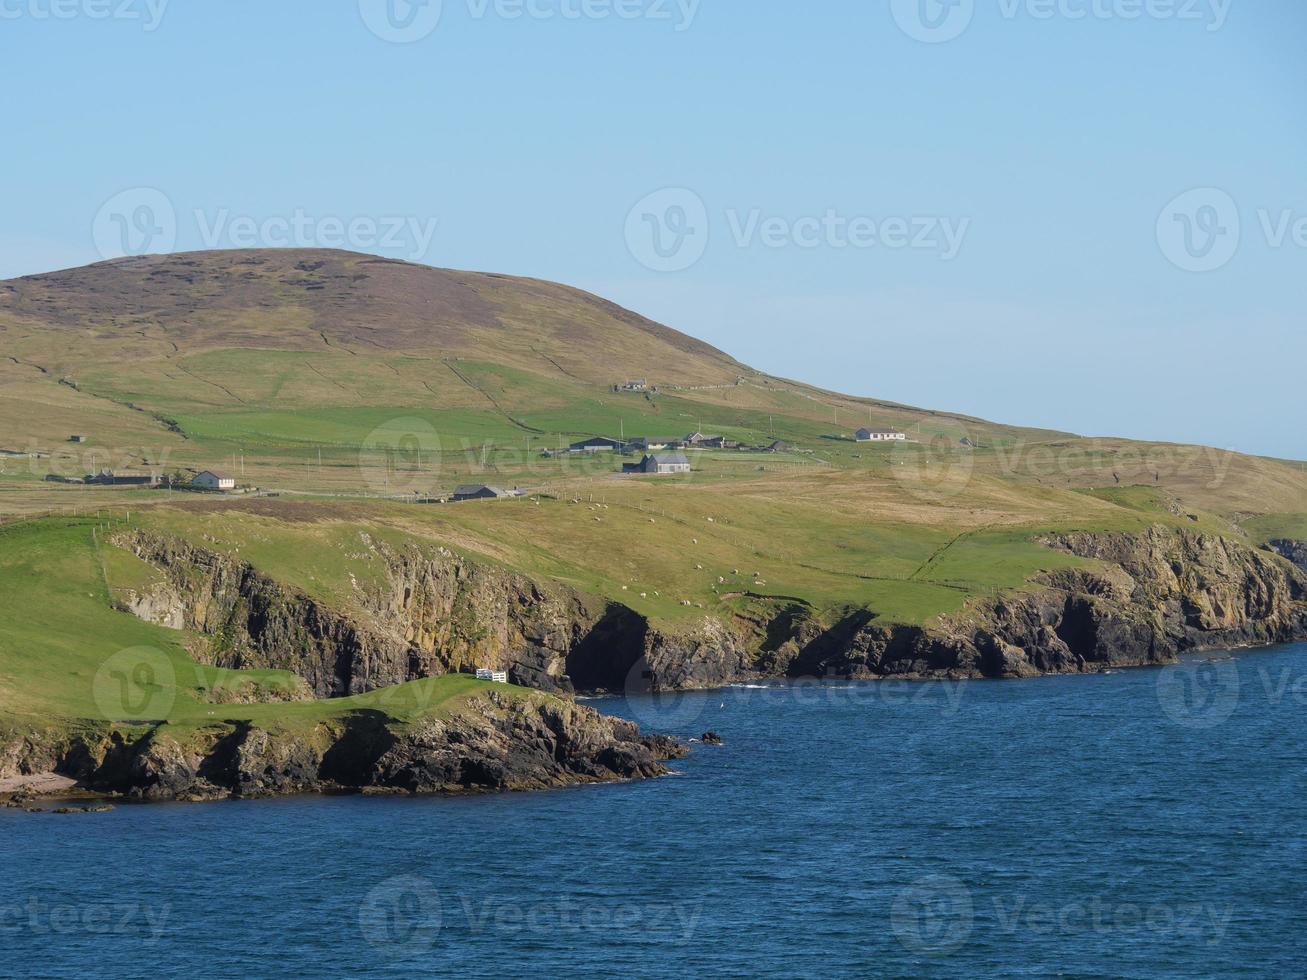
(497, 744)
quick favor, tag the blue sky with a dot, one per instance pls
(999, 222)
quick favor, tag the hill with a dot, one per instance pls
(349, 389)
(288, 356)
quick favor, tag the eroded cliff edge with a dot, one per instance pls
(1141, 598)
(497, 742)
(1147, 598)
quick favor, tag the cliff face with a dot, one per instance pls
(1294, 551)
(434, 615)
(497, 744)
(1151, 596)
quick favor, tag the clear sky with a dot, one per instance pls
(975, 205)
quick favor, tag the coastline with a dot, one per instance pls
(28, 791)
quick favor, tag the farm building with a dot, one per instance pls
(635, 384)
(494, 676)
(881, 435)
(599, 444)
(660, 464)
(699, 439)
(645, 443)
(477, 491)
(209, 480)
(77, 438)
(109, 478)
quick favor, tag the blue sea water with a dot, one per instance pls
(1137, 824)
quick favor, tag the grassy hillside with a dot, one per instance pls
(299, 367)
(341, 384)
(329, 373)
(69, 658)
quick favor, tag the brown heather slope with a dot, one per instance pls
(153, 317)
(311, 299)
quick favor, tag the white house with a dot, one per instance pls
(494, 676)
(663, 464)
(209, 480)
(881, 435)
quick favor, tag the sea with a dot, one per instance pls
(1141, 823)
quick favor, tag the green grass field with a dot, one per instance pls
(68, 658)
(1272, 527)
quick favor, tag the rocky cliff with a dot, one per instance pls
(496, 743)
(1148, 597)
(434, 614)
(1141, 599)
(1294, 551)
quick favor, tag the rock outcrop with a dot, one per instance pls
(496, 743)
(1152, 596)
(432, 616)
